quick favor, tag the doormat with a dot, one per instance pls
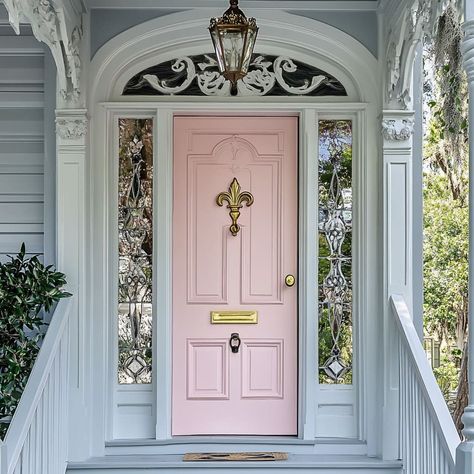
(235, 456)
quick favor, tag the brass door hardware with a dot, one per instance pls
(290, 280)
(234, 317)
(235, 200)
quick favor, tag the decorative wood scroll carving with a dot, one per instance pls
(199, 75)
(406, 26)
(397, 129)
(71, 128)
(58, 24)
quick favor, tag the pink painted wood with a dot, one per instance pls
(215, 391)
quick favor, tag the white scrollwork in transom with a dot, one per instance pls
(262, 77)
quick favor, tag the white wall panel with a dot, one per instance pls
(21, 141)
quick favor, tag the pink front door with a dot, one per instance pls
(251, 390)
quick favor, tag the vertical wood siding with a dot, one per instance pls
(21, 140)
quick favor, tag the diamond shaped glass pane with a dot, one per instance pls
(335, 251)
(135, 239)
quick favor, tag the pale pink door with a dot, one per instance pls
(215, 390)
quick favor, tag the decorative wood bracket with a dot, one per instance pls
(58, 24)
(235, 200)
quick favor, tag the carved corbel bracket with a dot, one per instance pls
(58, 24)
(406, 27)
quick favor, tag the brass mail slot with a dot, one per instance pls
(234, 317)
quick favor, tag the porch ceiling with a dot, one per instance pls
(348, 5)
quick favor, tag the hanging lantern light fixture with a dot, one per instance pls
(233, 36)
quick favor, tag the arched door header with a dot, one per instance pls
(323, 49)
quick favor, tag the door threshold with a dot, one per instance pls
(268, 440)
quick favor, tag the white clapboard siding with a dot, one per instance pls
(21, 140)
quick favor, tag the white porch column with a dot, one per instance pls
(397, 129)
(465, 451)
(71, 133)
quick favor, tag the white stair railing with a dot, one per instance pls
(428, 437)
(36, 440)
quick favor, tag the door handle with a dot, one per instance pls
(290, 280)
(234, 342)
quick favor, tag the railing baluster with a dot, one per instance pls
(428, 437)
(35, 442)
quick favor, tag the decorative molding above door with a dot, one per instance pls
(268, 75)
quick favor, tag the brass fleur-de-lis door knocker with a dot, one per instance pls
(235, 200)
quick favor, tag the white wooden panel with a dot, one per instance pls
(33, 99)
(21, 140)
(10, 243)
(20, 69)
(21, 183)
(21, 228)
(21, 212)
(21, 198)
(21, 121)
(397, 221)
(134, 412)
(20, 151)
(335, 413)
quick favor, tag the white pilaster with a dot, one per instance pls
(465, 451)
(71, 134)
(397, 130)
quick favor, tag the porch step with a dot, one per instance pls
(173, 463)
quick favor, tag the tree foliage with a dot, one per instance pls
(445, 205)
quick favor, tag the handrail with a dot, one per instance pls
(433, 399)
(49, 370)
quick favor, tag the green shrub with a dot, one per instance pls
(27, 289)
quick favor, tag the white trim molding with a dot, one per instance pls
(465, 451)
(58, 24)
(397, 259)
(182, 34)
(71, 198)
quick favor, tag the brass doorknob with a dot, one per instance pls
(290, 280)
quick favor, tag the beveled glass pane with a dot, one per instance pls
(218, 49)
(135, 232)
(335, 251)
(248, 51)
(232, 42)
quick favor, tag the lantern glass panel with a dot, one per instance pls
(248, 51)
(218, 49)
(233, 40)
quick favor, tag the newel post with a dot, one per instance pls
(397, 130)
(465, 451)
(71, 135)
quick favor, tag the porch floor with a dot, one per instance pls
(163, 463)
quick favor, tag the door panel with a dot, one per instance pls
(252, 391)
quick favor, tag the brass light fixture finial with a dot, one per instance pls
(233, 36)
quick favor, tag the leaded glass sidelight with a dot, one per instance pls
(335, 251)
(135, 232)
